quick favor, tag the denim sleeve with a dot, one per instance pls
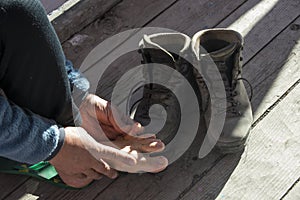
(21, 138)
(79, 84)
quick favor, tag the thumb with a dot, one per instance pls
(100, 151)
(123, 123)
(112, 154)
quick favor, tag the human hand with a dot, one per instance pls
(82, 160)
(137, 146)
(102, 120)
(147, 143)
(122, 131)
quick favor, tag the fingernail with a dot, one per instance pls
(115, 175)
(132, 162)
(138, 125)
(162, 160)
(153, 144)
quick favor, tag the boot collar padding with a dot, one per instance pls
(180, 42)
(219, 55)
(230, 36)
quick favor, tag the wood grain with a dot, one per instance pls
(270, 165)
(10, 183)
(79, 16)
(125, 15)
(50, 5)
(271, 70)
(272, 78)
(294, 193)
(260, 21)
(261, 69)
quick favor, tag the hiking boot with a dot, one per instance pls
(224, 48)
(168, 49)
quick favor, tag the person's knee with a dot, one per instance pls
(20, 9)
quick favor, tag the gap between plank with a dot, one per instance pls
(268, 110)
(296, 182)
(16, 188)
(284, 28)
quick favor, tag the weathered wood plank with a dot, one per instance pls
(128, 14)
(274, 69)
(175, 179)
(260, 21)
(190, 16)
(294, 193)
(272, 73)
(169, 185)
(270, 165)
(66, 24)
(257, 20)
(9, 183)
(51, 5)
(33, 188)
(69, 21)
(186, 16)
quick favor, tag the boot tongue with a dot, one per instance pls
(223, 55)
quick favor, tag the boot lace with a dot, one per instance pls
(231, 93)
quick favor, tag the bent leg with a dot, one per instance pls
(32, 63)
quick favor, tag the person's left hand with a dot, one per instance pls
(102, 120)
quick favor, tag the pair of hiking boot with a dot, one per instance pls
(219, 49)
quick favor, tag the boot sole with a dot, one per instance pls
(226, 149)
(232, 147)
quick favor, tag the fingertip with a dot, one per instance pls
(127, 158)
(131, 161)
(158, 146)
(147, 136)
(139, 127)
(136, 129)
(163, 160)
(115, 175)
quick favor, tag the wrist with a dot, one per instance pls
(59, 145)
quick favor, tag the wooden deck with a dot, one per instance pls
(269, 168)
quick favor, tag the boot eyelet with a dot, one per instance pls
(236, 103)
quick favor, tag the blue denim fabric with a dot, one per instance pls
(26, 137)
(33, 76)
(79, 84)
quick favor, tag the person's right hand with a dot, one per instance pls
(77, 166)
(82, 159)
